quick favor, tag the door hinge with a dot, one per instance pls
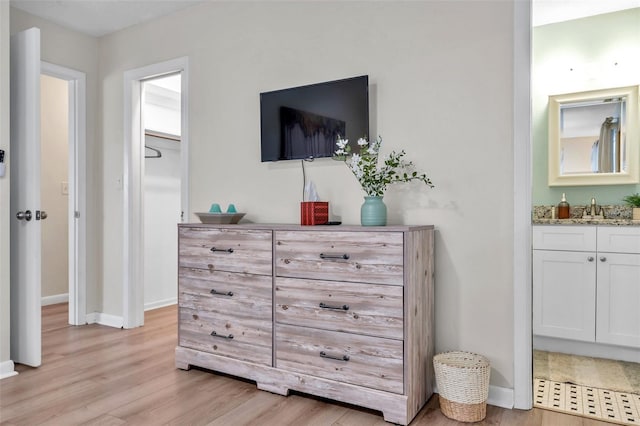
(76, 215)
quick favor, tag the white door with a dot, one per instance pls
(25, 198)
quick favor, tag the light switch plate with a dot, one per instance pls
(64, 188)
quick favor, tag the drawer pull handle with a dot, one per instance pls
(337, 308)
(603, 259)
(590, 258)
(221, 293)
(323, 354)
(222, 336)
(334, 256)
(229, 250)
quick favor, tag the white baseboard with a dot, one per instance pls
(160, 303)
(6, 370)
(56, 298)
(105, 319)
(498, 396)
(594, 350)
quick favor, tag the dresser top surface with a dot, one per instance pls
(294, 227)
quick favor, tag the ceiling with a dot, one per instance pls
(101, 17)
(550, 11)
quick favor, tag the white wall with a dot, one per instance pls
(441, 76)
(54, 146)
(73, 50)
(161, 218)
(6, 366)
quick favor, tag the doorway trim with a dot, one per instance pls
(133, 226)
(77, 216)
(522, 163)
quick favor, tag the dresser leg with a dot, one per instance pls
(394, 419)
(183, 365)
(181, 362)
(273, 388)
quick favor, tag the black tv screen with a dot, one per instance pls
(305, 122)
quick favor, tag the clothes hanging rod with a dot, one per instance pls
(162, 135)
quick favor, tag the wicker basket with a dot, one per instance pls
(463, 384)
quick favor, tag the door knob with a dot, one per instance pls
(24, 215)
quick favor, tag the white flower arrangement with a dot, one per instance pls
(364, 166)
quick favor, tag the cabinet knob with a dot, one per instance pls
(590, 259)
(603, 259)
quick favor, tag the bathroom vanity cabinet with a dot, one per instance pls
(344, 313)
(586, 283)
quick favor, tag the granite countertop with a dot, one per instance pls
(581, 221)
(614, 215)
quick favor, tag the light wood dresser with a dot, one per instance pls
(341, 312)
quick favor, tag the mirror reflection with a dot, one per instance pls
(593, 137)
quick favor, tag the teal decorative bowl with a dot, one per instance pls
(220, 218)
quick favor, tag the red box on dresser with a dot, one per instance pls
(314, 212)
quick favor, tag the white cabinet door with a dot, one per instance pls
(618, 299)
(564, 294)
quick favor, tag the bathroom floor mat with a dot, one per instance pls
(585, 401)
(619, 376)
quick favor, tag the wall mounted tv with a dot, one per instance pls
(304, 122)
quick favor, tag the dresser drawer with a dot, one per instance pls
(244, 339)
(619, 239)
(233, 250)
(372, 257)
(360, 360)
(374, 310)
(226, 293)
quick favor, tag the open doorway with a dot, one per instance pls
(54, 185)
(161, 114)
(63, 189)
(574, 290)
(134, 251)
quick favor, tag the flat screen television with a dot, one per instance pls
(304, 122)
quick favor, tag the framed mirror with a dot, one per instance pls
(594, 138)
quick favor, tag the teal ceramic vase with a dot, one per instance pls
(373, 212)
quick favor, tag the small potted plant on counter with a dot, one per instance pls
(634, 201)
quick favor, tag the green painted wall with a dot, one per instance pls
(577, 56)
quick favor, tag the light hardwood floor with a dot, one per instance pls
(104, 376)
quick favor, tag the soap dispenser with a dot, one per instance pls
(563, 208)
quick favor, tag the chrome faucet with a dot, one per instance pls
(593, 210)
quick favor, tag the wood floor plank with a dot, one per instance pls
(97, 375)
(196, 405)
